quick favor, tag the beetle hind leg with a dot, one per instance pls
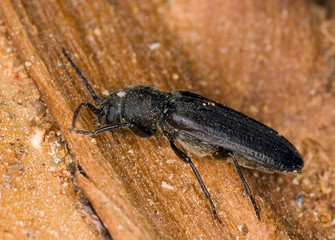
(187, 159)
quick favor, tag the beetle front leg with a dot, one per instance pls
(187, 159)
(84, 104)
(103, 129)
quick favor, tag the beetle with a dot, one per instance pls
(198, 124)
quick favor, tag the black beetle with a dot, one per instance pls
(198, 124)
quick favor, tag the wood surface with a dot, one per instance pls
(261, 58)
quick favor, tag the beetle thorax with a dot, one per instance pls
(143, 106)
(140, 105)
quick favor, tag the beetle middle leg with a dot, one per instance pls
(187, 159)
(246, 186)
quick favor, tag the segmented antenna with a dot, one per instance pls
(81, 75)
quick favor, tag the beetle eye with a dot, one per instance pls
(112, 115)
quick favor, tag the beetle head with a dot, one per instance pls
(111, 109)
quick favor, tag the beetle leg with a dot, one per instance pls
(84, 104)
(247, 188)
(142, 131)
(187, 159)
(106, 128)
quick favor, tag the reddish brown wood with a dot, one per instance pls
(253, 56)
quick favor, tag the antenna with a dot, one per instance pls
(81, 75)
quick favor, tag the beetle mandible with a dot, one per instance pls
(198, 124)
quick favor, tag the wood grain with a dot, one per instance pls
(138, 187)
